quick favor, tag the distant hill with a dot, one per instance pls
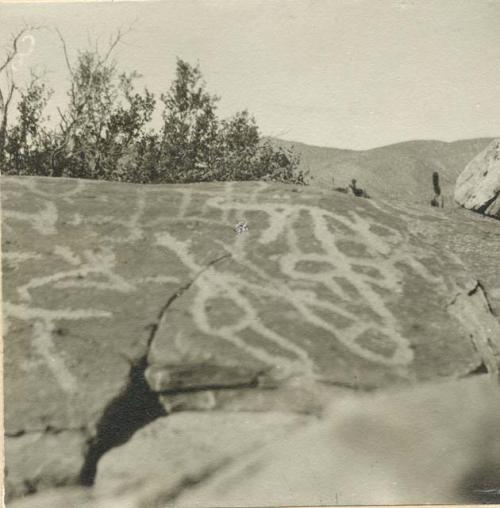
(403, 170)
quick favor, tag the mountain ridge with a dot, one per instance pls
(397, 143)
(401, 171)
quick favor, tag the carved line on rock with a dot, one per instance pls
(44, 221)
(100, 263)
(16, 258)
(67, 255)
(32, 185)
(43, 328)
(224, 284)
(282, 219)
(212, 283)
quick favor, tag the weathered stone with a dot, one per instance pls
(186, 447)
(472, 310)
(59, 498)
(322, 290)
(39, 460)
(473, 238)
(300, 398)
(431, 445)
(150, 495)
(478, 186)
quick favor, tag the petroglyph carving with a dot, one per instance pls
(44, 221)
(17, 258)
(66, 254)
(100, 264)
(44, 323)
(344, 266)
(282, 221)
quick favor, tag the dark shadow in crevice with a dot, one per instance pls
(480, 369)
(486, 205)
(134, 408)
(137, 406)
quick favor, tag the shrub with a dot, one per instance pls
(103, 132)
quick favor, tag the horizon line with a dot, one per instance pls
(413, 140)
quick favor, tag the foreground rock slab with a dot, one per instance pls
(431, 445)
(39, 460)
(190, 446)
(478, 186)
(436, 443)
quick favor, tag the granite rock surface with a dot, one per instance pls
(478, 186)
(125, 306)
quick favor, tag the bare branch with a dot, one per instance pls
(65, 49)
(12, 53)
(68, 64)
(9, 95)
(11, 87)
(5, 111)
(35, 76)
(10, 77)
(81, 97)
(120, 35)
(63, 118)
(112, 45)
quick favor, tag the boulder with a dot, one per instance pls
(122, 303)
(436, 444)
(38, 460)
(190, 446)
(478, 186)
(432, 444)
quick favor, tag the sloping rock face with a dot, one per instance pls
(124, 303)
(478, 186)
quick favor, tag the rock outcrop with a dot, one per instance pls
(478, 186)
(129, 309)
(435, 444)
(431, 445)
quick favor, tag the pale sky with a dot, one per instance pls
(343, 73)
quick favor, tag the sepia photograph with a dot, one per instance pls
(250, 252)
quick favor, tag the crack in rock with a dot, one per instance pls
(474, 312)
(136, 406)
(485, 207)
(45, 430)
(178, 294)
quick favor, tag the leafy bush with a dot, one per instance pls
(28, 143)
(103, 132)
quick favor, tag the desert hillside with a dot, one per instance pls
(399, 171)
